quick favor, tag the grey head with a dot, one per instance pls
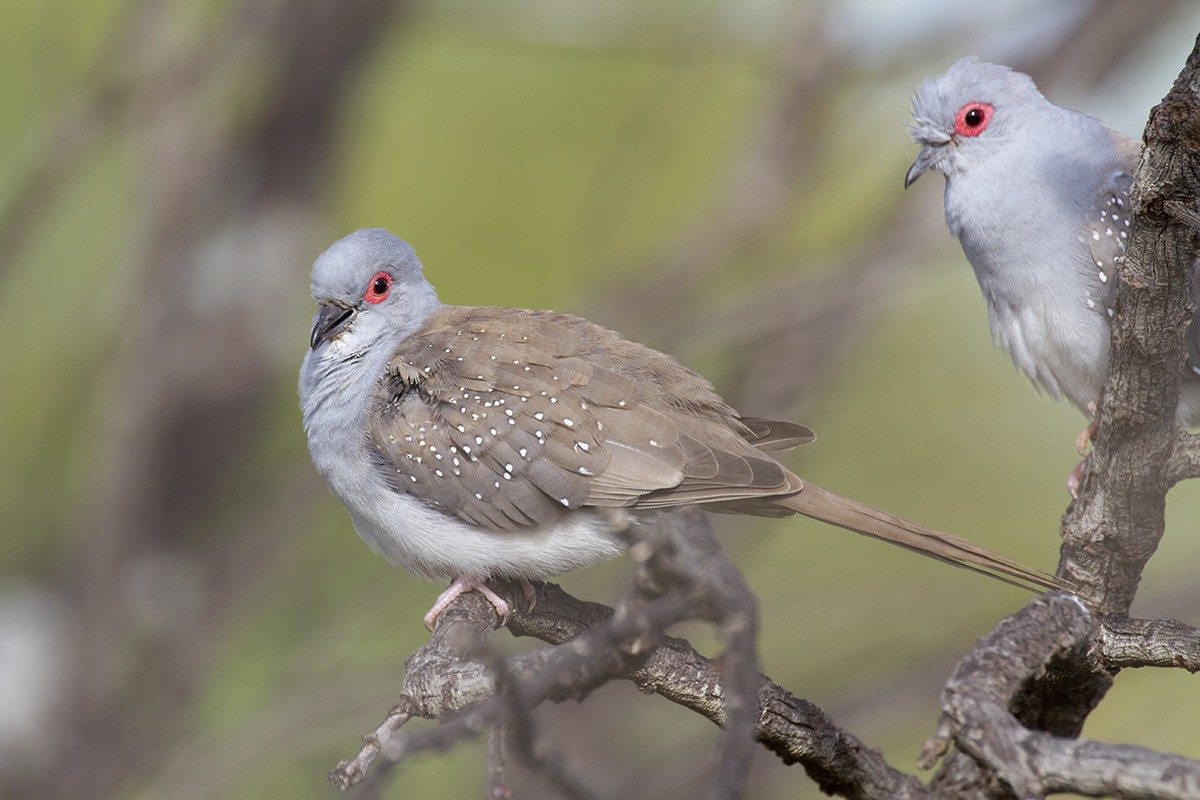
(969, 114)
(369, 286)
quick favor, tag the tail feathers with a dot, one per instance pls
(815, 502)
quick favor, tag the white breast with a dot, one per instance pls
(432, 544)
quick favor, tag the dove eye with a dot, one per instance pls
(378, 288)
(972, 119)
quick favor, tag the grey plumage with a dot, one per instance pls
(479, 442)
(1037, 196)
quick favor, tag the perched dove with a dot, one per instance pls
(470, 443)
(1038, 196)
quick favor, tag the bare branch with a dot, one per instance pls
(1183, 213)
(496, 788)
(1185, 458)
(685, 557)
(444, 681)
(1125, 642)
(348, 773)
(677, 576)
(991, 681)
(1115, 526)
(594, 644)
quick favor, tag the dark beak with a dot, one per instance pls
(330, 320)
(925, 159)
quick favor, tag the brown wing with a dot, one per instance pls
(510, 418)
(773, 435)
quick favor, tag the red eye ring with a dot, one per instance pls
(973, 118)
(378, 288)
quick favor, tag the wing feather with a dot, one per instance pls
(509, 419)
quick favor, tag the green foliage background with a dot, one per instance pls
(536, 170)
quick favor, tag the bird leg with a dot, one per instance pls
(1082, 441)
(1085, 436)
(463, 584)
(530, 593)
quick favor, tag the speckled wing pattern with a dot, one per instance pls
(1108, 237)
(509, 418)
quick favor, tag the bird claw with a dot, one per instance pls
(530, 593)
(461, 585)
(1075, 479)
(1082, 441)
(1085, 436)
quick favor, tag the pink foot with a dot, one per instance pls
(461, 585)
(1085, 436)
(1081, 446)
(1075, 479)
(529, 592)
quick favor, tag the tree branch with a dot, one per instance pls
(1115, 526)
(1185, 458)
(991, 680)
(681, 576)
(1124, 642)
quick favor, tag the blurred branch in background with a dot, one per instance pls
(785, 334)
(169, 542)
(232, 113)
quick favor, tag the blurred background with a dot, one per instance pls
(186, 612)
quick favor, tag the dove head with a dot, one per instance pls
(369, 287)
(969, 114)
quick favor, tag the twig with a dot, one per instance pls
(348, 773)
(495, 787)
(1183, 213)
(682, 574)
(534, 751)
(794, 729)
(571, 670)
(1125, 642)
(1185, 458)
(684, 557)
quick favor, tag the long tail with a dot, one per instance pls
(813, 501)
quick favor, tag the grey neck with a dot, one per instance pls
(335, 398)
